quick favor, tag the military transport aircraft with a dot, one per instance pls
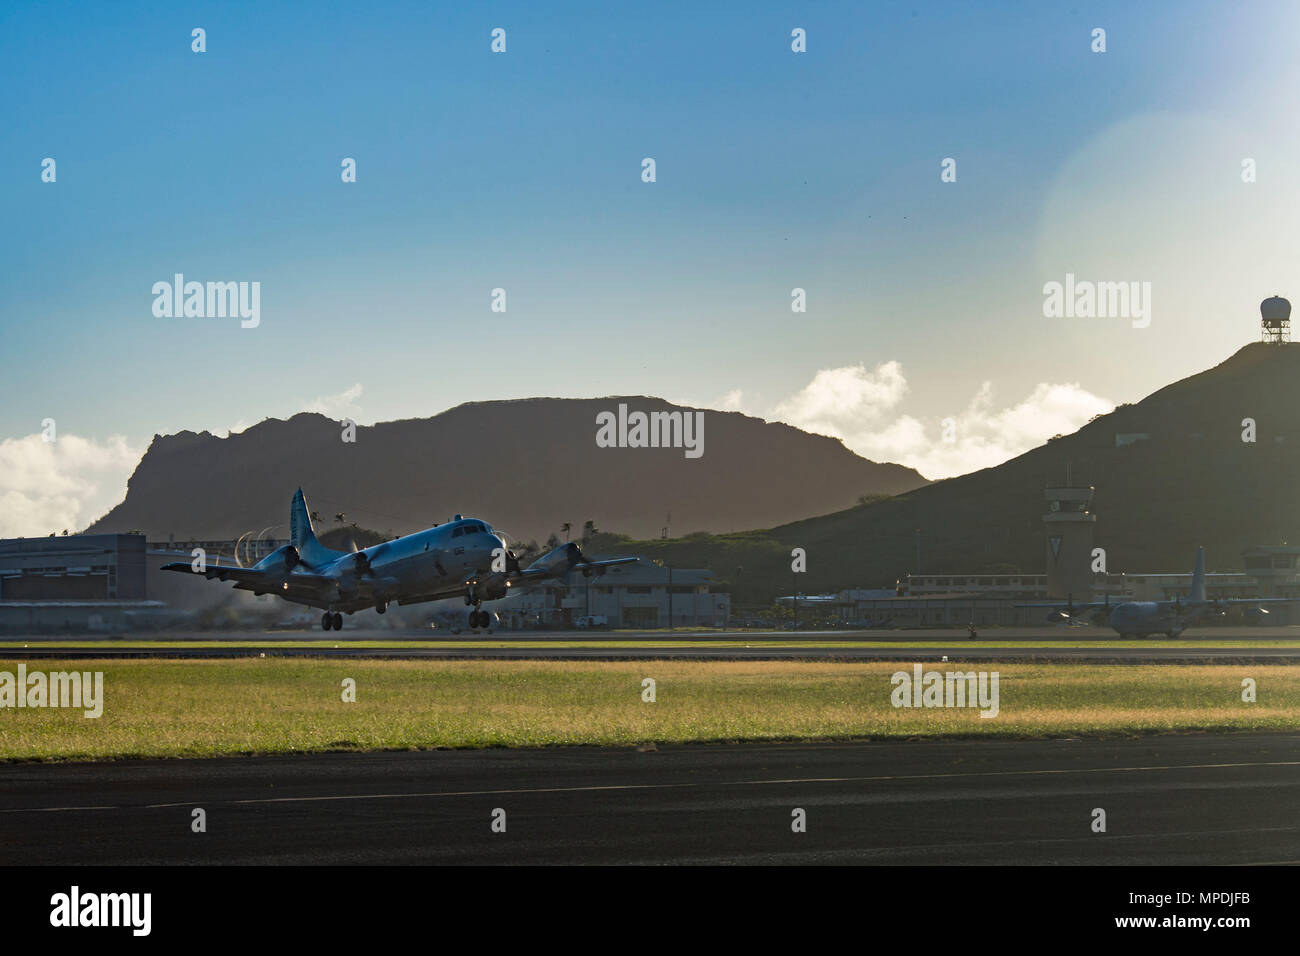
(462, 558)
(1171, 618)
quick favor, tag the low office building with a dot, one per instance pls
(80, 582)
(630, 595)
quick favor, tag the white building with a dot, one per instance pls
(629, 595)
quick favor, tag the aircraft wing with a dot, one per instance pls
(298, 587)
(1090, 605)
(251, 576)
(1220, 601)
(534, 574)
(1212, 602)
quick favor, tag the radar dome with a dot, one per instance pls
(1275, 309)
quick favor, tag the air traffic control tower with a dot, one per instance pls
(1068, 528)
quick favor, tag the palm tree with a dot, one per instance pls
(315, 516)
(340, 517)
(565, 528)
(588, 531)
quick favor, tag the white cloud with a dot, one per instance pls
(68, 483)
(839, 401)
(334, 405)
(733, 401)
(339, 405)
(861, 409)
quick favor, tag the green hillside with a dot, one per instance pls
(1192, 481)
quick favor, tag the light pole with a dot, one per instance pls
(670, 597)
(794, 599)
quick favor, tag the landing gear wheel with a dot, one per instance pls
(338, 622)
(381, 607)
(326, 622)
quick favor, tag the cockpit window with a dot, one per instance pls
(469, 527)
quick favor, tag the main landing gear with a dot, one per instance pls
(334, 621)
(477, 618)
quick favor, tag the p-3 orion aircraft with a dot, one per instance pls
(1171, 618)
(463, 557)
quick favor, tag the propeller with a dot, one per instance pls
(1065, 614)
(362, 562)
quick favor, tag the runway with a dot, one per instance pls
(1062, 645)
(1195, 799)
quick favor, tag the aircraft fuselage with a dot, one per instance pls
(1150, 617)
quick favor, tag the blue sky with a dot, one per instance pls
(522, 170)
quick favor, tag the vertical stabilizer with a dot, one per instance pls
(302, 536)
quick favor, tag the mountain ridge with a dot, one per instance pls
(527, 465)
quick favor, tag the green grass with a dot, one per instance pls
(192, 708)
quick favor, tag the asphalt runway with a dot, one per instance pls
(1180, 800)
(1012, 644)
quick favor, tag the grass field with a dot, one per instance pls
(189, 708)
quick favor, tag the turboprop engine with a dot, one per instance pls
(280, 562)
(561, 560)
(278, 565)
(555, 561)
(491, 587)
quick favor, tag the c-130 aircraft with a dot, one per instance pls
(463, 557)
(1171, 618)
